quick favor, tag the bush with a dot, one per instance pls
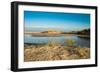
(53, 43)
(70, 42)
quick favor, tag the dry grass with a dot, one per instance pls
(54, 51)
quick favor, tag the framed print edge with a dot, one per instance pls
(14, 36)
(96, 38)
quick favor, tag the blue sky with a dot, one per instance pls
(41, 21)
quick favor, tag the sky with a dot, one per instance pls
(42, 21)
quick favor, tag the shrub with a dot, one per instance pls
(53, 43)
(70, 42)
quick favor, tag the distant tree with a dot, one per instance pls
(84, 32)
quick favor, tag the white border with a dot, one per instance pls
(22, 64)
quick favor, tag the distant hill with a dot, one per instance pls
(51, 31)
(81, 32)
